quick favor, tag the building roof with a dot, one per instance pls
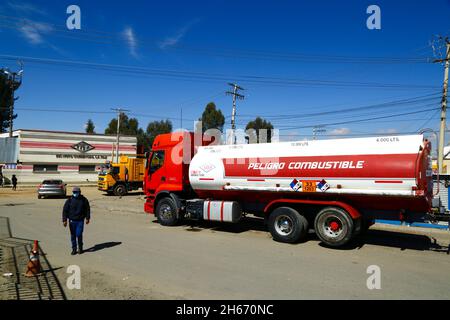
(17, 131)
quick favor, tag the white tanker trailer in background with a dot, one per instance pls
(337, 187)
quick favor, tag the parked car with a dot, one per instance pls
(52, 188)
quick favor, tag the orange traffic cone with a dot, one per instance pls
(34, 265)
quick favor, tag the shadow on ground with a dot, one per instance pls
(102, 246)
(393, 239)
(131, 193)
(402, 241)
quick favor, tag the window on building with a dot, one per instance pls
(43, 168)
(87, 169)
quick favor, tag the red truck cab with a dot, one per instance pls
(167, 170)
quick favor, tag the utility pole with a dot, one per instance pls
(443, 107)
(317, 130)
(14, 84)
(236, 96)
(119, 112)
(11, 107)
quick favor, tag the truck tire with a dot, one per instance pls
(287, 225)
(167, 212)
(120, 190)
(334, 226)
(361, 226)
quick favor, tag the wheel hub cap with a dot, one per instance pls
(284, 225)
(166, 211)
(334, 226)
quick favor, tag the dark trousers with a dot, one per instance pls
(76, 233)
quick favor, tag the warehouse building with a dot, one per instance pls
(35, 155)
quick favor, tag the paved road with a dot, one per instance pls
(134, 257)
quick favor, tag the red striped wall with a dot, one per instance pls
(64, 145)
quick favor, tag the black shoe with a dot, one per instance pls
(80, 251)
(74, 252)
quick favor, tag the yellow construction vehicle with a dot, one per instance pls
(120, 178)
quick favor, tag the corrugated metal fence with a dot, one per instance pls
(443, 192)
(9, 150)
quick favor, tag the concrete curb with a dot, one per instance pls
(410, 229)
(439, 226)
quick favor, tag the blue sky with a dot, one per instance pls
(215, 37)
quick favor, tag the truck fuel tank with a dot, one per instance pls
(223, 211)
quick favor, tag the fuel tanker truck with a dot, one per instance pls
(336, 187)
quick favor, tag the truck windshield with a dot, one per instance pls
(157, 161)
(115, 170)
(103, 169)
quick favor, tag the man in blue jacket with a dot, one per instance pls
(76, 210)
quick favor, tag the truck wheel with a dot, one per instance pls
(39, 196)
(120, 190)
(287, 225)
(361, 226)
(166, 212)
(334, 226)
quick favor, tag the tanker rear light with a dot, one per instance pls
(414, 188)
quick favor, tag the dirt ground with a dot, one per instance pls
(130, 256)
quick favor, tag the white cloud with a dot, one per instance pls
(130, 39)
(27, 8)
(388, 131)
(340, 131)
(34, 31)
(173, 40)
(31, 30)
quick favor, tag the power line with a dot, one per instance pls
(360, 120)
(103, 37)
(217, 76)
(351, 134)
(428, 121)
(388, 104)
(64, 111)
(95, 112)
(335, 115)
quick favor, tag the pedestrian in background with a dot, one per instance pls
(14, 182)
(76, 210)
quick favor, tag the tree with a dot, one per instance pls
(90, 127)
(257, 125)
(6, 100)
(212, 118)
(129, 127)
(157, 127)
